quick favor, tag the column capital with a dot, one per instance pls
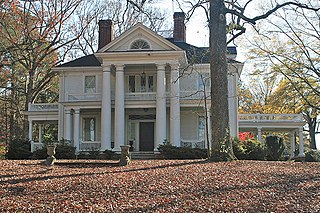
(106, 67)
(161, 67)
(174, 65)
(76, 111)
(119, 67)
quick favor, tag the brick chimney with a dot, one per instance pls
(105, 32)
(179, 28)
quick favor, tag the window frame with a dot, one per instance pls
(86, 90)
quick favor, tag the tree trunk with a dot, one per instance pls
(312, 123)
(221, 149)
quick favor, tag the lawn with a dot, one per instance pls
(159, 186)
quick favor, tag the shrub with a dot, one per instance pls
(63, 151)
(275, 147)
(96, 154)
(19, 150)
(169, 151)
(249, 149)
(313, 155)
(2, 150)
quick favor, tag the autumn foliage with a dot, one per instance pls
(159, 186)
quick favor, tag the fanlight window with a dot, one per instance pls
(140, 45)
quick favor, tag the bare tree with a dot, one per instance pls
(35, 36)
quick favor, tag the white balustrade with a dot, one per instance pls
(271, 117)
(43, 107)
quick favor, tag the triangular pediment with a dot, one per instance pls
(125, 41)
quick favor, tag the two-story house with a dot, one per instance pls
(139, 88)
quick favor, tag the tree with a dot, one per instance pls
(292, 102)
(123, 14)
(34, 37)
(290, 41)
(217, 19)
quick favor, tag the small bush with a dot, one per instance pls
(63, 151)
(275, 147)
(249, 149)
(96, 154)
(169, 151)
(2, 150)
(312, 156)
(19, 150)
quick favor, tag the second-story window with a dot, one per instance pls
(132, 83)
(204, 81)
(150, 83)
(90, 84)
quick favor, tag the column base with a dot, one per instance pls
(301, 155)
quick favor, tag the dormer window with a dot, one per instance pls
(140, 44)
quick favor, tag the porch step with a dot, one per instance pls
(145, 155)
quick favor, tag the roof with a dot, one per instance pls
(85, 61)
(196, 55)
(199, 55)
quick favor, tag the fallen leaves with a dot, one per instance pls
(160, 186)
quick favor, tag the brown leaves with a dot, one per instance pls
(159, 186)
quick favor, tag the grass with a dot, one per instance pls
(159, 186)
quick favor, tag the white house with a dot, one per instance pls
(139, 88)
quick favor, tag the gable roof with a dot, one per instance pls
(138, 30)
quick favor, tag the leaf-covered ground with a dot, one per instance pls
(160, 186)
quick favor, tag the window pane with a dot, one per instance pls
(201, 127)
(143, 83)
(150, 83)
(132, 83)
(90, 84)
(89, 128)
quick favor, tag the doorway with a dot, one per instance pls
(146, 136)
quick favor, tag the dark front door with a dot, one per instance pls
(146, 136)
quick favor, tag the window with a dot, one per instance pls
(132, 83)
(204, 81)
(143, 83)
(201, 127)
(89, 129)
(140, 45)
(90, 84)
(150, 83)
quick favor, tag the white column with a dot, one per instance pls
(260, 134)
(30, 136)
(175, 106)
(161, 107)
(76, 129)
(292, 144)
(233, 105)
(106, 109)
(301, 143)
(119, 109)
(40, 133)
(67, 133)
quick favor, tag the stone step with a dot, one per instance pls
(145, 155)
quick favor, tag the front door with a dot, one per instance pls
(146, 136)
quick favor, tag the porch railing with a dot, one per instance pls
(271, 117)
(140, 96)
(193, 143)
(43, 107)
(84, 97)
(90, 145)
(193, 95)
